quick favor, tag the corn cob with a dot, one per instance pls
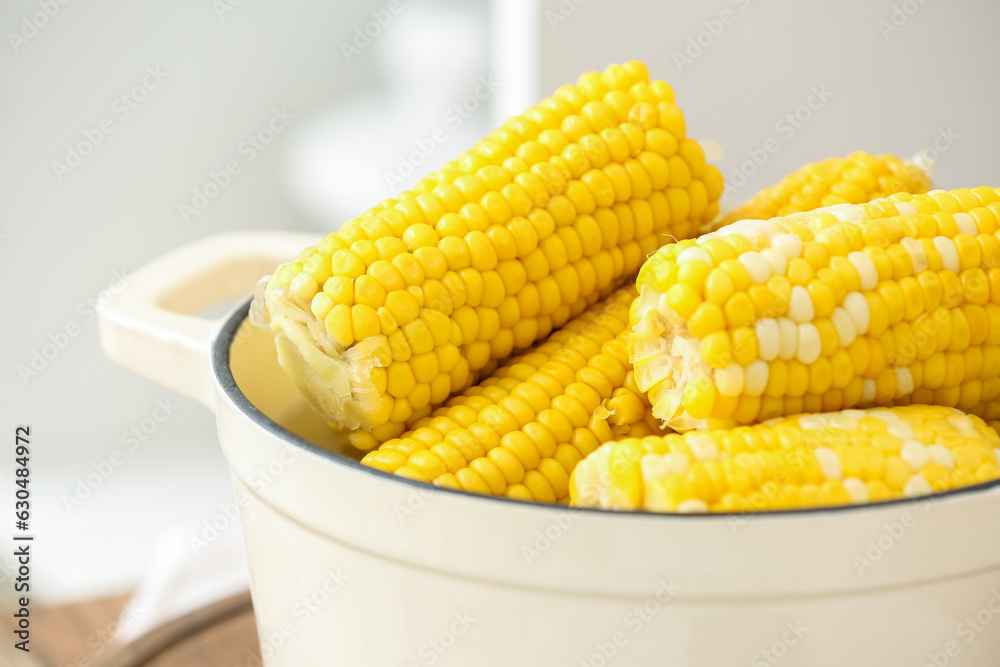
(838, 458)
(521, 432)
(891, 302)
(627, 413)
(406, 304)
(856, 179)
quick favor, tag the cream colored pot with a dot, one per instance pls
(353, 567)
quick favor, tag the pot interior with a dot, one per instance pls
(254, 364)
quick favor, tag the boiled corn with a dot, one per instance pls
(521, 432)
(406, 304)
(839, 458)
(890, 302)
(858, 178)
(627, 412)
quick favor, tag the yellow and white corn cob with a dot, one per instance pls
(405, 305)
(890, 302)
(521, 432)
(858, 178)
(838, 458)
(444, 457)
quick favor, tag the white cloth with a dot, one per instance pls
(192, 566)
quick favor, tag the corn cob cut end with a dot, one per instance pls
(817, 460)
(335, 381)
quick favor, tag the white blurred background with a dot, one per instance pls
(153, 98)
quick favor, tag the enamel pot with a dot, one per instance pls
(353, 567)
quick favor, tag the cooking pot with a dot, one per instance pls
(355, 567)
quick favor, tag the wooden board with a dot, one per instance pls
(81, 635)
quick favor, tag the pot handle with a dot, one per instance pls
(149, 325)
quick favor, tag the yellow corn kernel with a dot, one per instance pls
(811, 460)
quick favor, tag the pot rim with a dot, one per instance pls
(224, 377)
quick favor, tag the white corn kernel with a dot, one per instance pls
(776, 260)
(702, 448)
(789, 335)
(695, 253)
(949, 253)
(800, 305)
(904, 382)
(692, 506)
(810, 344)
(942, 456)
(867, 392)
(857, 490)
(888, 416)
(653, 468)
(677, 463)
(768, 338)
(812, 422)
(966, 223)
(756, 378)
(755, 264)
(842, 322)
(729, 380)
(843, 420)
(917, 486)
(916, 454)
(790, 245)
(900, 428)
(829, 462)
(865, 267)
(846, 212)
(857, 307)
